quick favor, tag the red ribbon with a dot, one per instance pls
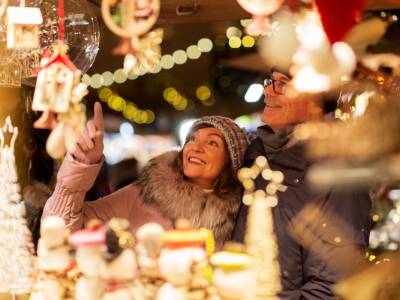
(60, 14)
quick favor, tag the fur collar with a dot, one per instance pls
(164, 186)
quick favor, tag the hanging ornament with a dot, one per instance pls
(81, 33)
(348, 12)
(58, 94)
(318, 66)
(260, 9)
(131, 20)
(23, 26)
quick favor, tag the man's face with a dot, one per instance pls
(281, 110)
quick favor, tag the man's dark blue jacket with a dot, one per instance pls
(310, 263)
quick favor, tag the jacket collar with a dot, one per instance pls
(279, 148)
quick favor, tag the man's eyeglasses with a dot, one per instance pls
(278, 86)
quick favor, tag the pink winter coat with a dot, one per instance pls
(161, 195)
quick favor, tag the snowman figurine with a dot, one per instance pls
(233, 277)
(54, 259)
(120, 267)
(182, 264)
(148, 249)
(88, 243)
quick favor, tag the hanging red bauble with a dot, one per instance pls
(339, 16)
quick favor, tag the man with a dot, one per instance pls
(313, 256)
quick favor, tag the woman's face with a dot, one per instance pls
(204, 157)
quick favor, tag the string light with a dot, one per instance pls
(205, 45)
(108, 78)
(248, 41)
(180, 57)
(173, 97)
(120, 76)
(129, 109)
(233, 32)
(193, 52)
(235, 42)
(203, 93)
(168, 61)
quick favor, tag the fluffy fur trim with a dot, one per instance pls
(164, 186)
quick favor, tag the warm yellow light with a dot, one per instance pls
(108, 78)
(246, 22)
(104, 94)
(182, 104)
(233, 31)
(85, 79)
(129, 111)
(120, 76)
(167, 61)
(193, 52)
(96, 81)
(170, 94)
(235, 42)
(180, 57)
(375, 218)
(205, 45)
(203, 93)
(248, 41)
(150, 116)
(116, 103)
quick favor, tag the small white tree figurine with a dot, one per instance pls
(260, 238)
(16, 247)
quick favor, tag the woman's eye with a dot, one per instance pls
(213, 143)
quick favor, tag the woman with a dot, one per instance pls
(197, 183)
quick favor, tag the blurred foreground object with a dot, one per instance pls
(16, 248)
(377, 282)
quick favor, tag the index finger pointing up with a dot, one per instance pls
(98, 116)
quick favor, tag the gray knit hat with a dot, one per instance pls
(235, 137)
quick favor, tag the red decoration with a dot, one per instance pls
(338, 16)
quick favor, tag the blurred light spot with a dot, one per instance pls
(254, 93)
(395, 18)
(104, 94)
(235, 42)
(150, 116)
(120, 76)
(132, 75)
(108, 78)
(86, 79)
(246, 22)
(248, 41)
(126, 129)
(167, 61)
(193, 52)
(180, 57)
(233, 32)
(184, 128)
(96, 81)
(203, 92)
(205, 45)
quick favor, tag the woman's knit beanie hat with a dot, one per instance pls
(235, 137)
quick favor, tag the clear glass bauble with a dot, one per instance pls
(82, 33)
